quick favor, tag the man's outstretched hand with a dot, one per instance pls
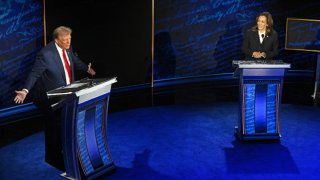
(21, 95)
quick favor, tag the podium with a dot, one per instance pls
(259, 99)
(84, 106)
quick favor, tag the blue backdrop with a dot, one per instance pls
(21, 36)
(202, 37)
(192, 38)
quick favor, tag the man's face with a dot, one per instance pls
(64, 41)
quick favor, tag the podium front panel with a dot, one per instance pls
(260, 102)
(84, 128)
(91, 135)
(260, 97)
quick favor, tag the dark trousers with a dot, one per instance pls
(52, 130)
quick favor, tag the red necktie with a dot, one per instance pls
(66, 63)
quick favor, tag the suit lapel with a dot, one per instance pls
(70, 59)
(266, 41)
(58, 61)
(257, 37)
(71, 62)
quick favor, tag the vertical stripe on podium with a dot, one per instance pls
(272, 108)
(92, 145)
(261, 108)
(101, 134)
(249, 108)
(81, 141)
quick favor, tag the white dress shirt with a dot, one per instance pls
(261, 37)
(64, 66)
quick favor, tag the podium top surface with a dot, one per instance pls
(259, 64)
(81, 87)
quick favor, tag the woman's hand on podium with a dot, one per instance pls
(258, 55)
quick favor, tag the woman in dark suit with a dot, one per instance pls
(261, 41)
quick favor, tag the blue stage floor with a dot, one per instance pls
(185, 141)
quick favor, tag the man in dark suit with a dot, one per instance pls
(54, 67)
(261, 41)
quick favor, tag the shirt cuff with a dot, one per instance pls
(26, 90)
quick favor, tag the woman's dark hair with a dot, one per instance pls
(269, 28)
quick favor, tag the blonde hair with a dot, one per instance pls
(61, 30)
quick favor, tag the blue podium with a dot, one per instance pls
(259, 98)
(84, 127)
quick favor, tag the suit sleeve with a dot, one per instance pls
(246, 45)
(78, 64)
(38, 68)
(273, 52)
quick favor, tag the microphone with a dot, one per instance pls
(262, 35)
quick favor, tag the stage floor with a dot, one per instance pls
(187, 141)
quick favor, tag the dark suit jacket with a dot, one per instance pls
(49, 69)
(252, 43)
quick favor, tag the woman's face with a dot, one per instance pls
(262, 23)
